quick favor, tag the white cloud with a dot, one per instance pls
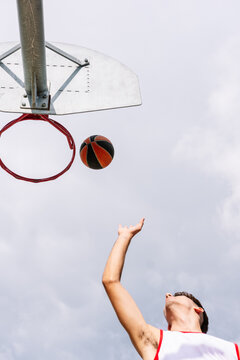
(213, 146)
(55, 237)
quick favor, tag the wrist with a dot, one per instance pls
(125, 237)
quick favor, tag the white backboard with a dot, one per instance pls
(103, 84)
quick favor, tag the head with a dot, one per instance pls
(185, 305)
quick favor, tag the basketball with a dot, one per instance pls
(96, 152)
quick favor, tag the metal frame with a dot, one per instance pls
(10, 52)
(103, 83)
(30, 16)
(66, 55)
(31, 24)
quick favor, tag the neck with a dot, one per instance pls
(184, 325)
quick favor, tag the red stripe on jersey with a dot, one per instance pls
(237, 350)
(191, 332)
(159, 345)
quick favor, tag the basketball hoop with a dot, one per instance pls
(81, 79)
(59, 127)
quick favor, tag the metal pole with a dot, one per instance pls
(30, 14)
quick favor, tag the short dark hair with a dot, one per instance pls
(204, 326)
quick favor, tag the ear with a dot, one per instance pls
(198, 310)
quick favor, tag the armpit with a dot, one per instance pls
(148, 338)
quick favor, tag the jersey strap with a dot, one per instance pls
(237, 350)
(159, 345)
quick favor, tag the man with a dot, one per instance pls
(186, 318)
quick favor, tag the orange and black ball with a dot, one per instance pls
(96, 152)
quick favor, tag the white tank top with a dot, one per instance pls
(194, 346)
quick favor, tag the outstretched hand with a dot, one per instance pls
(130, 231)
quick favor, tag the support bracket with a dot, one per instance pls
(34, 101)
(66, 55)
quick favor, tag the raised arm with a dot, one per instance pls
(142, 335)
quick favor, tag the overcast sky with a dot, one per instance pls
(177, 162)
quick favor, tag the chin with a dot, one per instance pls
(170, 301)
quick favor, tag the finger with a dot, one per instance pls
(140, 224)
